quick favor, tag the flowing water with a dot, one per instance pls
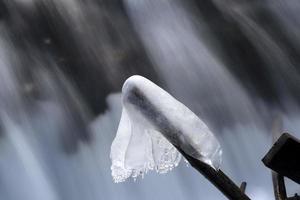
(54, 146)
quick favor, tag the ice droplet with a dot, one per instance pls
(152, 124)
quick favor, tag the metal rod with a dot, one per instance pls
(162, 123)
(218, 178)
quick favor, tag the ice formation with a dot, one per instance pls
(152, 125)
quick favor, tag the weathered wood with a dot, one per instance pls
(283, 157)
(277, 179)
(296, 197)
(278, 186)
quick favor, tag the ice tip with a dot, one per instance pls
(133, 82)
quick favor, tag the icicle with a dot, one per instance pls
(152, 125)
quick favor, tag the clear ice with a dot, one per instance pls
(152, 124)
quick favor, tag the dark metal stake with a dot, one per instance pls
(171, 132)
(219, 179)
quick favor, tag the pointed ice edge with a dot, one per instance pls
(152, 125)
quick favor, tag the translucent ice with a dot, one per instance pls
(153, 124)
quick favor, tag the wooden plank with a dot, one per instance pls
(284, 157)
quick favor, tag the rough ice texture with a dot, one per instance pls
(152, 125)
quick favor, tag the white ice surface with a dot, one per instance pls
(143, 143)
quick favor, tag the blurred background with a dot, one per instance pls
(235, 63)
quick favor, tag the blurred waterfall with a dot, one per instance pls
(181, 49)
(62, 64)
(192, 73)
